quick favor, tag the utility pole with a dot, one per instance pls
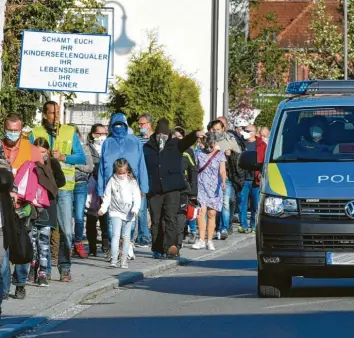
(214, 59)
(226, 66)
(345, 39)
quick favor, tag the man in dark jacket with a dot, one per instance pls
(163, 157)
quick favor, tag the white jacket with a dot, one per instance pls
(121, 198)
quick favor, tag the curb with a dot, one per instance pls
(91, 292)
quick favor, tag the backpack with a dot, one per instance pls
(29, 189)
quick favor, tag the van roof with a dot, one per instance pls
(310, 101)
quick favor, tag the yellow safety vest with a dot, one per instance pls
(190, 161)
(63, 143)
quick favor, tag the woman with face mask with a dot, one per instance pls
(95, 140)
(211, 183)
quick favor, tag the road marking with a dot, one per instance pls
(303, 303)
(213, 298)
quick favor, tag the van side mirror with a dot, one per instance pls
(248, 161)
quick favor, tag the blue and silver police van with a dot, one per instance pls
(305, 224)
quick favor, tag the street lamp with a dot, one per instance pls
(123, 45)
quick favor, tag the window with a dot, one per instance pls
(315, 135)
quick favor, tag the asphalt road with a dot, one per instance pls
(217, 298)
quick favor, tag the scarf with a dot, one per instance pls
(50, 128)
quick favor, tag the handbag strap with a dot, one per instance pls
(208, 162)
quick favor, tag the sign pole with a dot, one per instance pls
(345, 39)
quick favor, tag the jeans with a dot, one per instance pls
(249, 190)
(164, 227)
(41, 247)
(144, 231)
(3, 254)
(120, 228)
(19, 277)
(65, 216)
(6, 273)
(223, 218)
(192, 225)
(80, 195)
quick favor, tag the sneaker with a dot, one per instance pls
(199, 244)
(241, 230)
(113, 264)
(224, 235)
(172, 251)
(218, 235)
(42, 279)
(131, 255)
(124, 264)
(65, 276)
(192, 238)
(80, 250)
(20, 292)
(210, 246)
(142, 244)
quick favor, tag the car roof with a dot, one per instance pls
(307, 101)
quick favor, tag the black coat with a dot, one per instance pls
(165, 168)
(190, 171)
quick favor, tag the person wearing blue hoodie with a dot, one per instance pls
(121, 144)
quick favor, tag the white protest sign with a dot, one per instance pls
(64, 62)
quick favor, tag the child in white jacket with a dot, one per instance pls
(122, 199)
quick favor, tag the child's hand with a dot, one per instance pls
(100, 213)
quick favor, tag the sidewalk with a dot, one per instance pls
(92, 277)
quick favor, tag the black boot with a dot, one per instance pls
(20, 292)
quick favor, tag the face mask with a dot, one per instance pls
(161, 141)
(12, 135)
(119, 130)
(45, 158)
(245, 135)
(219, 135)
(316, 133)
(143, 131)
(100, 140)
(122, 176)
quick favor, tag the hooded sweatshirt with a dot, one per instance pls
(122, 198)
(121, 145)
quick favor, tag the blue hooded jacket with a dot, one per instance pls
(122, 145)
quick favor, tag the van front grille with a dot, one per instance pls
(323, 209)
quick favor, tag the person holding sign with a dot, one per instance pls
(66, 148)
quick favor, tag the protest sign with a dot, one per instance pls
(64, 62)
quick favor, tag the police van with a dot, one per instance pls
(305, 224)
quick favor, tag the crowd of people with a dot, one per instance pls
(54, 178)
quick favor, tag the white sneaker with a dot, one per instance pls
(210, 246)
(113, 264)
(124, 264)
(199, 244)
(131, 255)
(218, 235)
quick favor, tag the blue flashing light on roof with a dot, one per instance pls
(321, 87)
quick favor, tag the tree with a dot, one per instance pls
(43, 15)
(323, 53)
(153, 86)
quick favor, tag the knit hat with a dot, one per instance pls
(162, 127)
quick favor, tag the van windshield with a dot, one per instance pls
(315, 135)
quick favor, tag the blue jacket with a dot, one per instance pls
(77, 153)
(122, 146)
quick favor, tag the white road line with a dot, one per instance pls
(302, 303)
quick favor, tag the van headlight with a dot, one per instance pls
(277, 205)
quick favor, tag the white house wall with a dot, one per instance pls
(184, 28)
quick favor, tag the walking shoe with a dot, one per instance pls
(42, 279)
(224, 235)
(241, 230)
(218, 235)
(172, 251)
(192, 238)
(20, 292)
(65, 276)
(124, 264)
(5, 296)
(199, 244)
(80, 250)
(131, 255)
(142, 244)
(113, 264)
(210, 246)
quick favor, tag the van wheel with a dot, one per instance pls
(272, 285)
